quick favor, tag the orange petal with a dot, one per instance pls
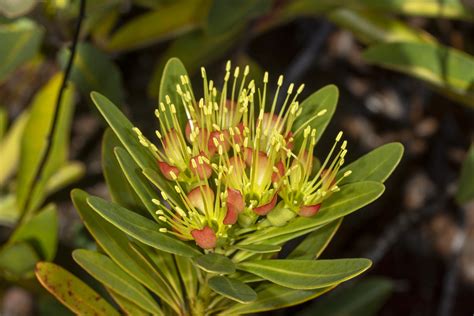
(232, 215)
(201, 196)
(235, 198)
(166, 170)
(265, 209)
(309, 210)
(203, 171)
(205, 238)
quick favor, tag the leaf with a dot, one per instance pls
(66, 175)
(325, 99)
(140, 228)
(260, 248)
(17, 260)
(20, 43)
(364, 298)
(215, 263)
(107, 272)
(127, 306)
(188, 275)
(10, 146)
(377, 165)
(153, 27)
(120, 189)
(3, 122)
(306, 274)
(94, 71)
(225, 15)
(71, 291)
(205, 49)
(116, 244)
(350, 198)
(16, 8)
(172, 73)
(448, 69)
(315, 243)
(123, 130)
(137, 180)
(8, 211)
(34, 142)
(273, 296)
(41, 232)
(465, 191)
(233, 289)
(372, 27)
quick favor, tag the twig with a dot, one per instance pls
(44, 158)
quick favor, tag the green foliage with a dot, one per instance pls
(20, 42)
(465, 192)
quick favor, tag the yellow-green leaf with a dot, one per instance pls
(71, 291)
(233, 289)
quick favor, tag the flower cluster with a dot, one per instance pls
(238, 162)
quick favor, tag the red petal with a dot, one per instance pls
(281, 171)
(231, 215)
(239, 138)
(203, 171)
(310, 210)
(200, 196)
(289, 141)
(205, 238)
(265, 209)
(166, 170)
(187, 130)
(235, 198)
(217, 136)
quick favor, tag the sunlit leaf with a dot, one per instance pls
(448, 69)
(16, 8)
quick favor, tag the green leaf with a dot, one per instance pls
(10, 146)
(306, 274)
(94, 71)
(225, 15)
(233, 289)
(8, 211)
(3, 121)
(325, 99)
(17, 260)
(34, 142)
(260, 248)
(123, 130)
(205, 49)
(20, 42)
(215, 263)
(66, 175)
(377, 165)
(273, 296)
(188, 275)
(107, 272)
(465, 191)
(172, 73)
(71, 291)
(127, 306)
(116, 244)
(140, 228)
(152, 27)
(137, 180)
(364, 298)
(41, 231)
(448, 69)
(13, 9)
(350, 198)
(120, 189)
(372, 27)
(315, 243)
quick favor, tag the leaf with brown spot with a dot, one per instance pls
(72, 292)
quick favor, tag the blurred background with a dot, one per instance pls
(405, 72)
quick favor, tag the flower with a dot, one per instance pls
(235, 162)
